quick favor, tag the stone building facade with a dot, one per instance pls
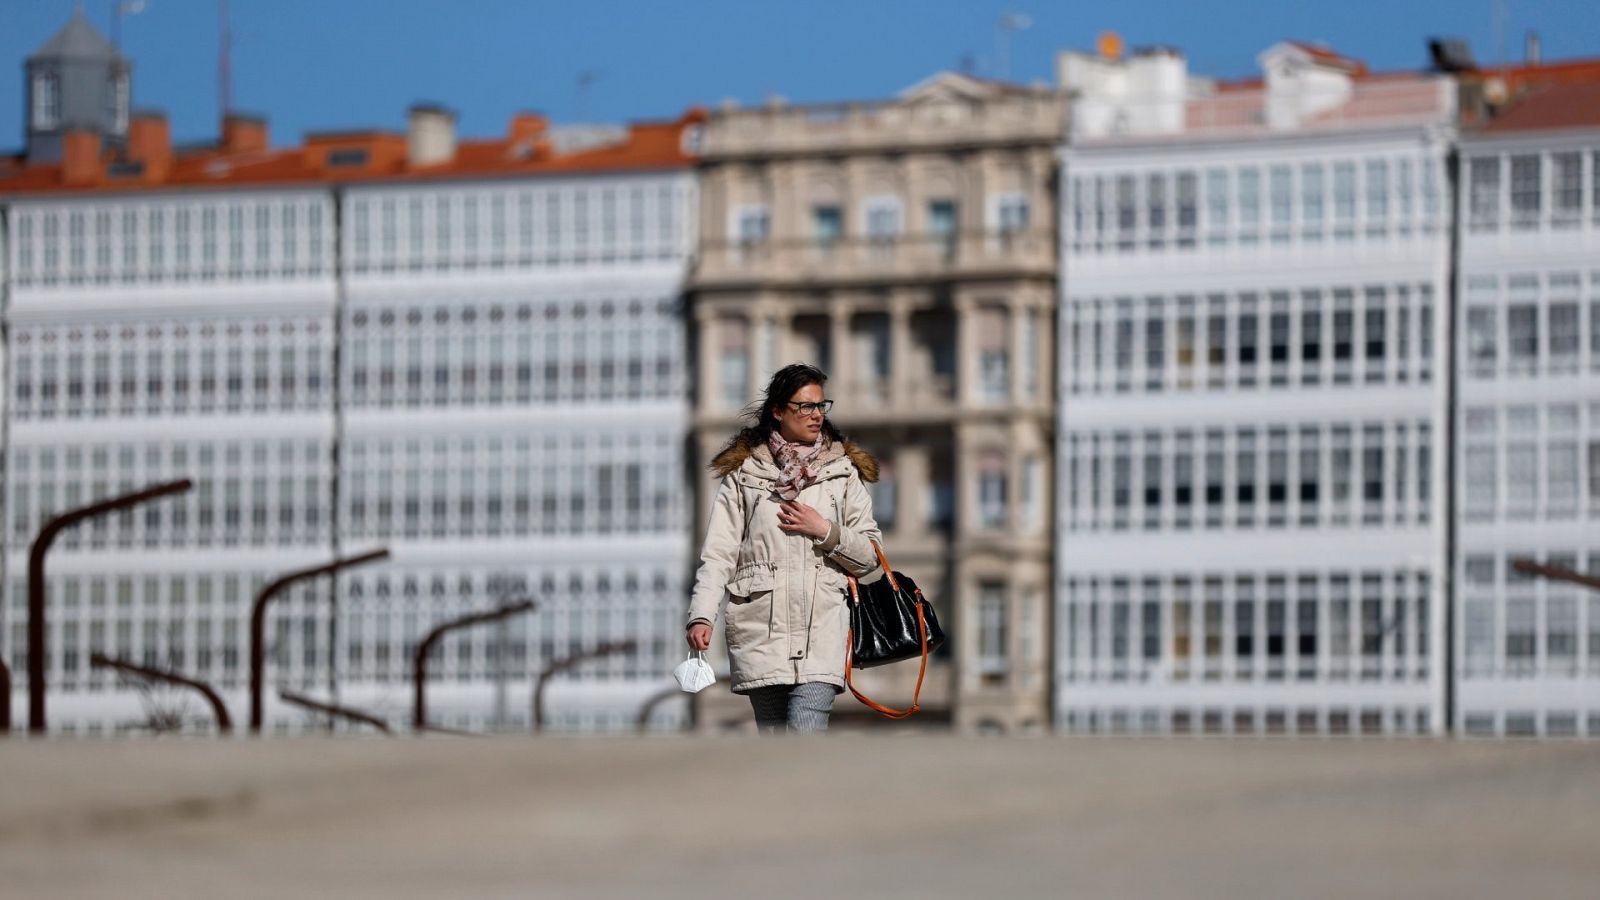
(906, 247)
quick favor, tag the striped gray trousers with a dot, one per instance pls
(792, 708)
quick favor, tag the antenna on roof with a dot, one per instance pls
(586, 80)
(224, 62)
(1499, 32)
(120, 10)
(1008, 23)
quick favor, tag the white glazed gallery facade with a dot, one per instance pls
(1252, 411)
(509, 410)
(1528, 426)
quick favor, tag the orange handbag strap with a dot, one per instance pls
(849, 643)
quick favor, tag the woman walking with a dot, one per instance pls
(791, 518)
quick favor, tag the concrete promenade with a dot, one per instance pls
(848, 816)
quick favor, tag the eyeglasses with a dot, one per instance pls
(806, 409)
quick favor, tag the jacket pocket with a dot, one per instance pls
(751, 579)
(750, 605)
(831, 579)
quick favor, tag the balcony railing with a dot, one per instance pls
(898, 257)
(1036, 117)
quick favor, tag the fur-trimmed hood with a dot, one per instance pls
(741, 448)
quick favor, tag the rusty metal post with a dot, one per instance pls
(36, 593)
(5, 699)
(419, 668)
(1555, 573)
(656, 699)
(224, 721)
(558, 666)
(258, 621)
(333, 709)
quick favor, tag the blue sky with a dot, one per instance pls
(322, 64)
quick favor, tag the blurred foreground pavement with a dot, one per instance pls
(850, 815)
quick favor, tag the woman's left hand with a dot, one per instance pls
(795, 517)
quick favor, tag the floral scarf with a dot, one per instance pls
(794, 464)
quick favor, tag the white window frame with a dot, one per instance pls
(1001, 209)
(46, 101)
(121, 96)
(994, 658)
(817, 234)
(882, 209)
(750, 213)
(1485, 181)
(992, 506)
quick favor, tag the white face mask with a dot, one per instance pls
(695, 674)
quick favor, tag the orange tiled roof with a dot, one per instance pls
(1564, 72)
(1542, 96)
(1327, 55)
(1516, 77)
(1389, 97)
(1364, 76)
(1545, 95)
(646, 146)
(1565, 104)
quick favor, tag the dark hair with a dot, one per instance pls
(785, 383)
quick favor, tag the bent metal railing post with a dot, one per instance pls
(1556, 573)
(655, 700)
(419, 668)
(36, 586)
(334, 709)
(258, 620)
(558, 666)
(224, 721)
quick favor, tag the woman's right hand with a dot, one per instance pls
(699, 637)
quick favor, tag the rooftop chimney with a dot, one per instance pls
(527, 126)
(430, 136)
(242, 133)
(1304, 81)
(1142, 93)
(1158, 90)
(80, 156)
(150, 142)
(1531, 48)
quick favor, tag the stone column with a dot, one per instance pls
(781, 317)
(790, 229)
(902, 387)
(975, 217)
(754, 351)
(1045, 321)
(844, 376)
(912, 480)
(964, 476)
(966, 351)
(1021, 319)
(710, 335)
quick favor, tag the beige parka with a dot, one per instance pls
(786, 617)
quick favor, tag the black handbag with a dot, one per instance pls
(890, 621)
